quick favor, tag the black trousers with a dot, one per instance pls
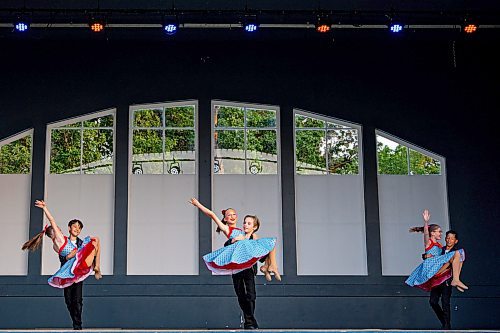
(244, 286)
(73, 296)
(443, 312)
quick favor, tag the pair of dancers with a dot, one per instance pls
(437, 266)
(244, 247)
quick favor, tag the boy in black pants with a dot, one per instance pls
(443, 291)
(73, 295)
(244, 287)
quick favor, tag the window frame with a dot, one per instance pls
(408, 146)
(326, 119)
(163, 105)
(245, 128)
(88, 116)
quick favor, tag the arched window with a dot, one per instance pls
(15, 195)
(329, 196)
(410, 180)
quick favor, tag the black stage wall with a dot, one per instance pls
(410, 86)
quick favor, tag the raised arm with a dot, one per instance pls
(210, 214)
(57, 232)
(427, 216)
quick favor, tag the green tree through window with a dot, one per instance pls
(83, 147)
(15, 157)
(323, 147)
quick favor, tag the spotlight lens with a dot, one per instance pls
(21, 26)
(251, 27)
(323, 28)
(470, 28)
(97, 27)
(170, 28)
(396, 28)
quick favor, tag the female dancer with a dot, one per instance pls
(81, 260)
(245, 248)
(435, 268)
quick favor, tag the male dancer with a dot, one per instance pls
(73, 294)
(244, 287)
(443, 291)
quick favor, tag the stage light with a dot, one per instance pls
(21, 26)
(251, 27)
(170, 28)
(170, 24)
(323, 25)
(470, 28)
(96, 26)
(396, 27)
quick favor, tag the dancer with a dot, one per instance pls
(77, 258)
(239, 255)
(444, 290)
(433, 271)
(244, 280)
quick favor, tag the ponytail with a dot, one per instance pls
(432, 227)
(35, 242)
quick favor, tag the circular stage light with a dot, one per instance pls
(396, 27)
(21, 26)
(251, 27)
(170, 28)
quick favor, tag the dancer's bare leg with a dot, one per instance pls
(456, 266)
(94, 260)
(265, 269)
(273, 267)
(443, 268)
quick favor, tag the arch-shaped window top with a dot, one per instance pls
(395, 157)
(83, 145)
(15, 153)
(325, 145)
(245, 138)
(164, 138)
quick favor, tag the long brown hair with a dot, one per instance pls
(35, 242)
(432, 227)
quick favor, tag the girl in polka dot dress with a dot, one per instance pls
(80, 260)
(246, 247)
(435, 269)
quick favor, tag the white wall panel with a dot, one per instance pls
(162, 225)
(15, 192)
(331, 237)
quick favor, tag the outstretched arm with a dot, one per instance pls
(427, 216)
(57, 232)
(210, 214)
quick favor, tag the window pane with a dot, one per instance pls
(261, 152)
(15, 157)
(148, 118)
(303, 121)
(261, 118)
(229, 155)
(334, 125)
(97, 152)
(343, 158)
(73, 125)
(65, 151)
(179, 152)
(106, 121)
(421, 164)
(310, 149)
(147, 152)
(179, 116)
(229, 116)
(392, 157)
